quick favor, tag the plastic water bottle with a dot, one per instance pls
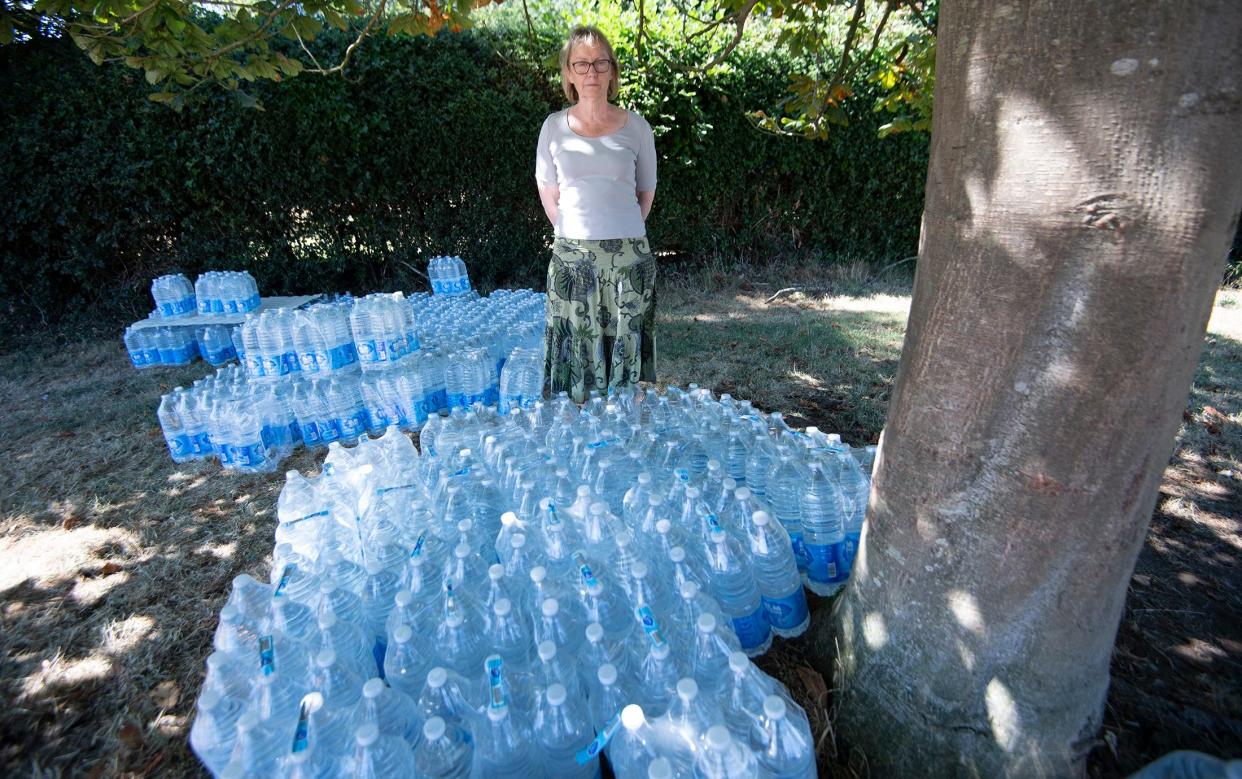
(823, 527)
(445, 752)
(173, 427)
(733, 584)
(786, 748)
(505, 746)
(174, 296)
(562, 728)
(776, 575)
(376, 754)
(521, 381)
(724, 758)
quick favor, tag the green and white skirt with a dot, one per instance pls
(601, 315)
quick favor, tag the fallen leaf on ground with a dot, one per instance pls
(813, 681)
(130, 736)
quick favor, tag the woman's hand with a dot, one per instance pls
(550, 196)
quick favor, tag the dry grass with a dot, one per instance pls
(114, 561)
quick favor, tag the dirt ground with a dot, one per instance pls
(114, 561)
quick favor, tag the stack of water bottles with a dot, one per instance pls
(174, 296)
(245, 425)
(532, 591)
(348, 367)
(448, 276)
(226, 292)
(152, 346)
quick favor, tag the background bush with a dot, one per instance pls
(425, 147)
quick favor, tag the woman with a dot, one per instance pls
(596, 170)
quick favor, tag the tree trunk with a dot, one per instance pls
(1084, 184)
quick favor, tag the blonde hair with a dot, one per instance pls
(588, 34)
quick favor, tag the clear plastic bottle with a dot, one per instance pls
(776, 574)
(378, 755)
(562, 729)
(446, 752)
(724, 758)
(785, 747)
(823, 527)
(733, 585)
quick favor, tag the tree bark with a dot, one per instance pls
(1084, 184)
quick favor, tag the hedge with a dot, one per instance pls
(425, 147)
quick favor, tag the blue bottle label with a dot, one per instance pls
(301, 734)
(495, 683)
(788, 612)
(418, 545)
(825, 562)
(310, 433)
(752, 630)
(267, 655)
(600, 741)
(850, 551)
(802, 555)
(252, 455)
(650, 626)
(178, 445)
(583, 568)
(284, 579)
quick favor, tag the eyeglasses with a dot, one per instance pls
(582, 66)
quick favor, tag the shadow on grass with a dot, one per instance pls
(116, 564)
(830, 369)
(1177, 665)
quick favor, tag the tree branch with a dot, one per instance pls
(349, 52)
(742, 15)
(875, 42)
(850, 34)
(914, 9)
(530, 28)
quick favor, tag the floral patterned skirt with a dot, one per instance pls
(601, 315)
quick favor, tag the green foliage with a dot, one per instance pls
(425, 147)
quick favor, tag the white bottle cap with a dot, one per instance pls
(495, 572)
(660, 768)
(373, 688)
(551, 607)
(436, 677)
(366, 735)
(594, 632)
(433, 730)
(632, 717)
(538, 574)
(774, 707)
(707, 623)
(547, 650)
(502, 607)
(556, 694)
(738, 661)
(718, 738)
(607, 674)
(687, 689)
(761, 518)
(403, 634)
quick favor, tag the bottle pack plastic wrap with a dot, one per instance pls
(529, 592)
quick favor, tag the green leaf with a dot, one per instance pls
(334, 19)
(161, 97)
(156, 76)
